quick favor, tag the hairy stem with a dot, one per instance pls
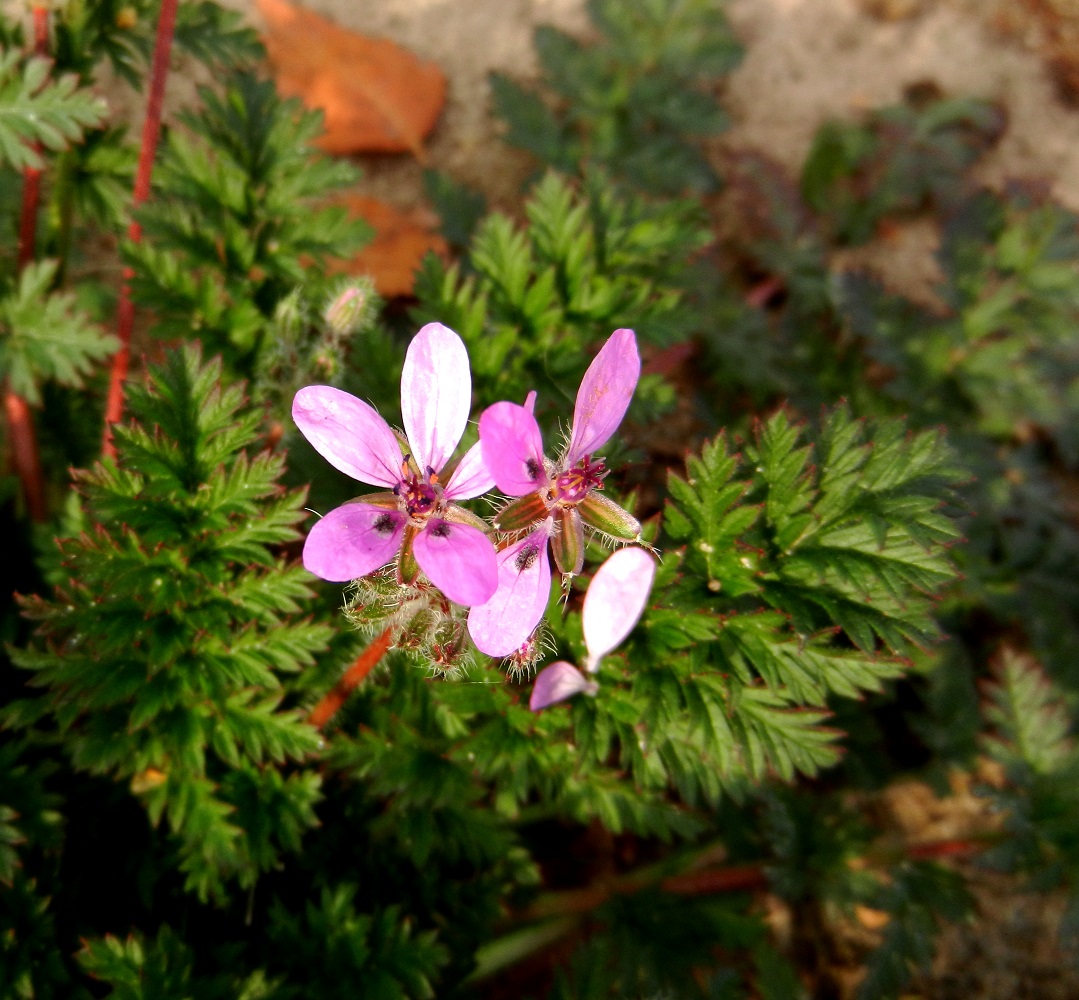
(328, 707)
(151, 130)
(20, 420)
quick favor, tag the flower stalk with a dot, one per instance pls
(555, 914)
(20, 419)
(151, 131)
(332, 701)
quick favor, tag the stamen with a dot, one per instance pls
(418, 496)
(573, 485)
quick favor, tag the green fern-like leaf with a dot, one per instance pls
(329, 947)
(1031, 722)
(531, 297)
(35, 110)
(139, 970)
(636, 102)
(162, 655)
(241, 216)
(858, 538)
(918, 898)
(820, 559)
(215, 35)
(706, 511)
(777, 736)
(44, 338)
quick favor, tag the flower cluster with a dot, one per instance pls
(415, 523)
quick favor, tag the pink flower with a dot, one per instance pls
(557, 498)
(416, 517)
(612, 606)
(505, 622)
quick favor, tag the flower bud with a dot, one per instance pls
(522, 661)
(347, 310)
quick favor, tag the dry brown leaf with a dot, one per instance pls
(401, 240)
(376, 96)
(870, 919)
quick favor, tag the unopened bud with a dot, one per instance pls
(449, 648)
(346, 310)
(324, 364)
(522, 661)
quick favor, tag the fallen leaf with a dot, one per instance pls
(401, 240)
(376, 96)
(871, 919)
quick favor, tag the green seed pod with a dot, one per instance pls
(407, 567)
(607, 517)
(459, 515)
(567, 544)
(522, 513)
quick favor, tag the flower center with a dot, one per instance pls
(573, 485)
(419, 495)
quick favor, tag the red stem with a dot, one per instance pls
(328, 707)
(41, 29)
(24, 454)
(740, 878)
(20, 420)
(151, 131)
(31, 196)
(736, 878)
(732, 878)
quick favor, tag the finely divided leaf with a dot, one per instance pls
(37, 111)
(44, 338)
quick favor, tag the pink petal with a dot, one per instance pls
(530, 401)
(349, 434)
(604, 396)
(352, 541)
(615, 600)
(458, 559)
(559, 681)
(502, 625)
(436, 394)
(512, 448)
(470, 478)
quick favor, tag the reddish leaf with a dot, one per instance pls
(401, 240)
(376, 96)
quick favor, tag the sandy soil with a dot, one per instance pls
(806, 60)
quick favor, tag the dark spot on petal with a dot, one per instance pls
(385, 524)
(442, 530)
(526, 558)
(533, 468)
